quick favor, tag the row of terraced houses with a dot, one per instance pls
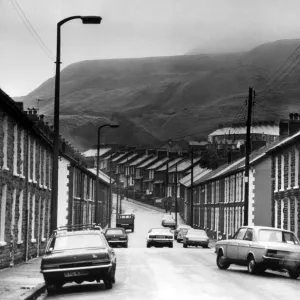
(25, 184)
(158, 177)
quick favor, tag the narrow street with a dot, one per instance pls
(178, 273)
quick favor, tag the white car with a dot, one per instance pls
(160, 237)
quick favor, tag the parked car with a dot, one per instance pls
(116, 237)
(181, 233)
(163, 218)
(195, 237)
(125, 221)
(130, 212)
(169, 222)
(160, 237)
(180, 226)
(260, 248)
(75, 254)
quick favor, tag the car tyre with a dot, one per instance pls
(294, 274)
(108, 284)
(171, 245)
(221, 262)
(252, 266)
(205, 246)
(148, 246)
(126, 245)
(184, 245)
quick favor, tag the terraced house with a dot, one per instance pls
(25, 183)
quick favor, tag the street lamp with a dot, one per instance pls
(55, 155)
(98, 162)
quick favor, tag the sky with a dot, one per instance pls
(132, 28)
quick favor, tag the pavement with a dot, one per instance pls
(25, 282)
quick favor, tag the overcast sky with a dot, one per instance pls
(133, 28)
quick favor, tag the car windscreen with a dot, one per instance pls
(69, 242)
(277, 236)
(197, 232)
(114, 231)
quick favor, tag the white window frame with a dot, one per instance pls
(3, 215)
(13, 212)
(34, 162)
(296, 221)
(276, 174)
(45, 169)
(205, 217)
(205, 196)
(43, 219)
(276, 214)
(282, 173)
(289, 214)
(289, 170)
(22, 141)
(15, 155)
(33, 240)
(213, 192)
(282, 214)
(296, 168)
(29, 159)
(5, 144)
(20, 219)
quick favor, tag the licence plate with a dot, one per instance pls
(288, 263)
(76, 273)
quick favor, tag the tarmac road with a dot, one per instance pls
(176, 273)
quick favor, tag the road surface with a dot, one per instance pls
(177, 273)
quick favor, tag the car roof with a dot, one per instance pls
(114, 228)
(254, 227)
(77, 232)
(161, 228)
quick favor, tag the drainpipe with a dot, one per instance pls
(26, 193)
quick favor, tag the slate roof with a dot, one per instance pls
(102, 175)
(147, 162)
(269, 130)
(118, 157)
(93, 152)
(158, 163)
(139, 160)
(239, 164)
(198, 173)
(171, 163)
(128, 158)
(181, 166)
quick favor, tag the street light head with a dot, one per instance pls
(91, 20)
(114, 125)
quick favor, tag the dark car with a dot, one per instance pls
(195, 237)
(179, 227)
(77, 254)
(125, 221)
(116, 237)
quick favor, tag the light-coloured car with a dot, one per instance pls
(195, 237)
(169, 222)
(164, 217)
(180, 226)
(181, 233)
(260, 248)
(160, 237)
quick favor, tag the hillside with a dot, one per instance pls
(164, 97)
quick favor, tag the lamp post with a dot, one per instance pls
(55, 155)
(98, 161)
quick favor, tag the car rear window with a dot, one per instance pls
(69, 242)
(277, 236)
(198, 232)
(114, 231)
(126, 217)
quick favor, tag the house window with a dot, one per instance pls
(3, 214)
(45, 169)
(20, 219)
(225, 220)
(282, 173)
(22, 154)
(5, 141)
(13, 213)
(205, 199)
(151, 174)
(32, 219)
(296, 168)
(289, 170)
(43, 218)
(34, 162)
(276, 214)
(217, 219)
(296, 221)
(288, 214)
(29, 159)
(49, 174)
(205, 217)
(212, 192)
(15, 165)
(40, 167)
(276, 174)
(212, 218)
(282, 214)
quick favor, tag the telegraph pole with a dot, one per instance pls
(192, 188)
(167, 183)
(247, 159)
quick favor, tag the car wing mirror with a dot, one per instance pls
(50, 250)
(220, 237)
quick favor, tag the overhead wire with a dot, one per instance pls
(31, 29)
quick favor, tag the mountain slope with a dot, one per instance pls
(158, 98)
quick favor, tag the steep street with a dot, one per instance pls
(163, 273)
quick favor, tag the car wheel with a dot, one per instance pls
(132, 230)
(126, 245)
(294, 274)
(108, 284)
(221, 262)
(252, 266)
(184, 245)
(148, 246)
(171, 245)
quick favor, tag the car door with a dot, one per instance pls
(245, 244)
(233, 244)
